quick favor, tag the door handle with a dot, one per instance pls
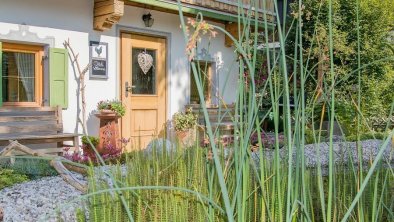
(128, 88)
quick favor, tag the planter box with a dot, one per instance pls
(109, 130)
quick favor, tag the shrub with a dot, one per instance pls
(86, 147)
(368, 136)
(94, 139)
(8, 178)
(309, 136)
(33, 168)
(184, 120)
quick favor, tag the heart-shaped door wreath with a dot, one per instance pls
(145, 61)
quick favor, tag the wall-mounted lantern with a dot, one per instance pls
(148, 20)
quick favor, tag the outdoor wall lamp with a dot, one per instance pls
(148, 20)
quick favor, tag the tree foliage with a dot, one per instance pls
(376, 25)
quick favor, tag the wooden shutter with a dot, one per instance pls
(1, 75)
(58, 77)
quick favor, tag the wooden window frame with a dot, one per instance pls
(201, 64)
(38, 84)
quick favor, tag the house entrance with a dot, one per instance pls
(143, 88)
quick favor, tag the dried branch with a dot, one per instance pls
(81, 78)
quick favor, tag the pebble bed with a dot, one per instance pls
(37, 200)
(343, 152)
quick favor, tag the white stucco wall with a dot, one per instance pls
(57, 21)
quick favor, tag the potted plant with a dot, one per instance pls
(114, 107)
(87, 148)
(109, 113)
(184, 124)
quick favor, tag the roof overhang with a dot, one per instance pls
(188, 9)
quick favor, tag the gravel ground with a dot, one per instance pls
(36, 200)
(342, 153)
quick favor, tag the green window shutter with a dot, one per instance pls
(1, 75)
(58, 77)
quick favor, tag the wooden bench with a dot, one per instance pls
(37, 125)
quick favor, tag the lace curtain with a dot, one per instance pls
(25, 65)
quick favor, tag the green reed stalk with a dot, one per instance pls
(303, 118)
(359, 148)
(274, 107)
(223, 187)
(332, 113)
(288, 132)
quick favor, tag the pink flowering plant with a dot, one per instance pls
(111, 153)
(223, 142)
(267, 140)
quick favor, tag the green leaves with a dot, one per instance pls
(113, 105)
(8, 178)
(184, 120)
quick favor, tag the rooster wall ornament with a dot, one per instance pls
(99, 50)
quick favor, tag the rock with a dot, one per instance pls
(158, 145)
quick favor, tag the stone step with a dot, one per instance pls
(216, 119)
(211, 110)
(210, 106)
(223, 125)
(221, 119)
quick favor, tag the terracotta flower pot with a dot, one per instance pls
(186, 137)
(107, 113)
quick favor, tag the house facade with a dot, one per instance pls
(136, 50)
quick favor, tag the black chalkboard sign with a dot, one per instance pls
(99, 67)
(98, 60)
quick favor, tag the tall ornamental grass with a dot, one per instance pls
(238, 183)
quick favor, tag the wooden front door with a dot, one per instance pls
(143, 88)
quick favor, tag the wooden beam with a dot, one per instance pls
(107, 13)
(221, 14)
(230, 19)
(232, 28)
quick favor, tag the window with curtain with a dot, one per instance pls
(18, 77)
(21, 74)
